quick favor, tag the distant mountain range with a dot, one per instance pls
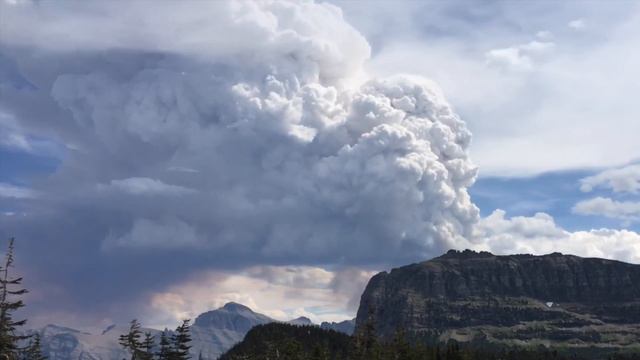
(213, 333)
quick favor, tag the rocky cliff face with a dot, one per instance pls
(520, 299)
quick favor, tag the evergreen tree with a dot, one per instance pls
(9, 289)
(147, 346)
(164, 350)
(34, 350)
(319, 352)
(399, 348)
(366, 345)
(453, 351)
(131, 341)
(181, 340)
(292, 350)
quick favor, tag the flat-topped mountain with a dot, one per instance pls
(553, 299)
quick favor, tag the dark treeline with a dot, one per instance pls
(285, 341)
(291, 342)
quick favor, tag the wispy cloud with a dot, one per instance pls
(577, 24)
(16, 192)
(520, 57)
(600, 206)
(145, 186)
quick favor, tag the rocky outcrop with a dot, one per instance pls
(553, 299)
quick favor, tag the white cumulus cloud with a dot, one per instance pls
(623, 210)
(621, 180)
(541, 235)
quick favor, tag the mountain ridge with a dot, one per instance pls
(555, 299)
(213, 332)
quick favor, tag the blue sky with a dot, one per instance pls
(277, 154)
(20, 168)
(553, 193)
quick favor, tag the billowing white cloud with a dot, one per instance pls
(623, 210)
(284, 142)
(392, 150)
(541, 235)
(260, 30)
(620, 180)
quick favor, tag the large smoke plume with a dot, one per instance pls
(218, 134)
